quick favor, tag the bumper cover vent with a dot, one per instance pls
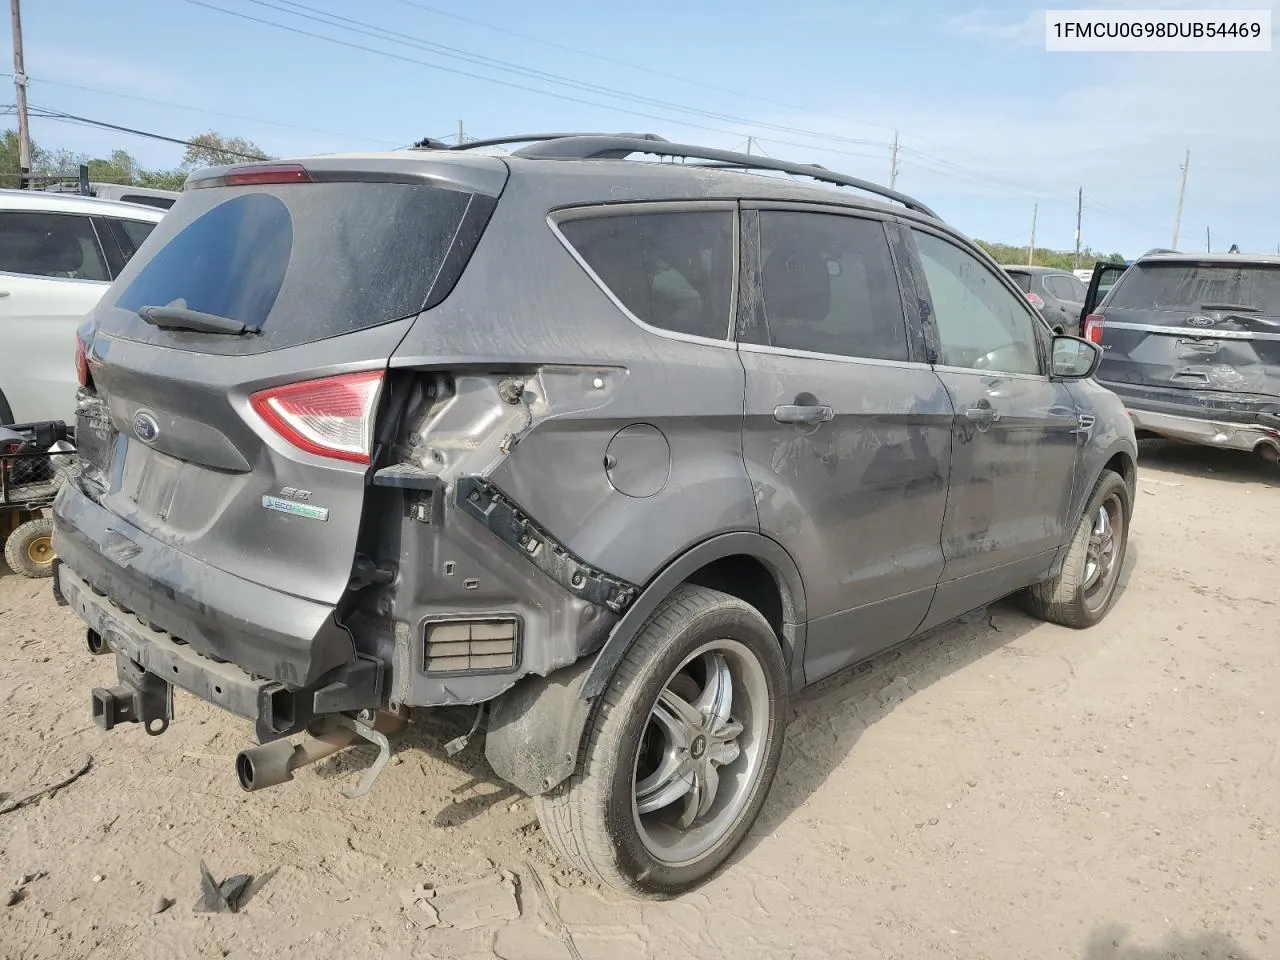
(491, 645)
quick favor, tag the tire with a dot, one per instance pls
(29, 549)
(631, 755)
(1078, 597)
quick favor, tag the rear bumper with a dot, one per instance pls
(150, 662)
(1209, 418)
(217, 615)
(1209, 433)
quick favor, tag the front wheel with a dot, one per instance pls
(1085, 589)
(680, 754)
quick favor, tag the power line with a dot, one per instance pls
(215, 113)
(49, 113)
(636, 66)
(312, 14)
(385, 35)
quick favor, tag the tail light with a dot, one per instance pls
(332, 417)
(82, 363)
(1036, 300)
(1093, 328)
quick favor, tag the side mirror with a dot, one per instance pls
(1074, 358)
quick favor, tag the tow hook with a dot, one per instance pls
(274, 763)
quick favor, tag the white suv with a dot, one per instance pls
(58, 254)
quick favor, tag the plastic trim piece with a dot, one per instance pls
(490, 506)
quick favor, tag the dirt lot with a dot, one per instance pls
(1000, 789)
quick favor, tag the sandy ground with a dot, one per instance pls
(999, 789)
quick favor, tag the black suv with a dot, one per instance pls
(621, 453)
(1192, 347)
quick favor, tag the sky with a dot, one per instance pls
(991, 127)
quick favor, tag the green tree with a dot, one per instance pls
(212, 149)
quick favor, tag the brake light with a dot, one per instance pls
(251, 175)
(1036, 301)
(268, 173)
(1093, 328)
(332, 417)
(82, 363)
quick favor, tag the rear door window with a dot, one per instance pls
(57, 245)
(1023, 280)
(829, 286)
(672, 269)
(1064, 287)
(303, 262)
(1186, 287)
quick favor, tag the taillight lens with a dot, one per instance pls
(1036, 300)
(1093, 328)
(332, 417)
(82, 363)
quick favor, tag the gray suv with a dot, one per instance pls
(619, 453)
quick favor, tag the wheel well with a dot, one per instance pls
(749, 580)
(1122, 464)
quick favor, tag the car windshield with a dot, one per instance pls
(1200, 286)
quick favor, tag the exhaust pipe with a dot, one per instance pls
(96, 643)
(272, 764)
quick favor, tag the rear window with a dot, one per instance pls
(302, 261)
(1254, 288)
(672, 269)
(1023, 280)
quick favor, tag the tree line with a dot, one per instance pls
(208, 149)
(1058, 259)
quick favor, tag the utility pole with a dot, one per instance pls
(893, 163)
(1208, 241)
(460, 137)
(1079, 214)
(750, 142)
(1182, 194)
(1031, 250)
(20, 86)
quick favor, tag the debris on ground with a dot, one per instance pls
(14, 897)
(161, 905)
(220, 897)
(22, 799)
(551, 915)
(463, 906)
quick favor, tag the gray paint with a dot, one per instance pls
(647, 455)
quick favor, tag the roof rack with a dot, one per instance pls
(619, 146)
(428, 143)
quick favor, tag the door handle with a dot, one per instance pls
(982, 414)
(3, 293)
(794, 413)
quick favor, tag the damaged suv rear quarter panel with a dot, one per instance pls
(608, 415)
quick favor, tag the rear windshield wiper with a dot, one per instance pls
(1233, 307)
(180, 318)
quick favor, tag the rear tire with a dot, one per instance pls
(690, 731)
(29, 549)
(1084, 590)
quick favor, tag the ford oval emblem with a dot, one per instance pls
(145, 427)
(1201, 321)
